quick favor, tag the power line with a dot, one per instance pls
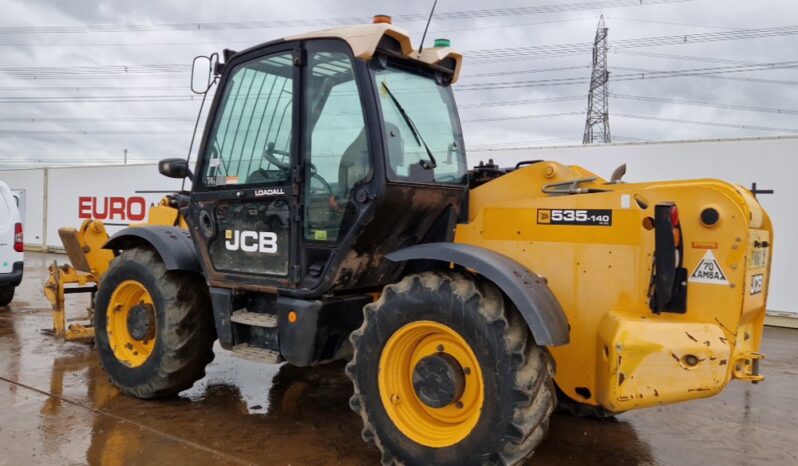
(519, 145)
(705, 104)
(93, 98)
(672, 23)
(522, 102)
(484, 55)
(91, 88)
(522, 117)
(33, 119)
(539, 70)
(553, 50)
(195, 43)
(707, 123)
(14, 132)
(669, 56)
(642, 74)
(285, 23)
(652, 74)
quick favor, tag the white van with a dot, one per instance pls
(10, 244)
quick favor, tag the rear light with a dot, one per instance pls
(18, 237)
(674, 216)
(668, 291)
(382, 19)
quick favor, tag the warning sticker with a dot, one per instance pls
(709, 271)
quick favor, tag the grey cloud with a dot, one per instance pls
(172, 138)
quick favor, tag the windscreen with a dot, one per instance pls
(419, 112)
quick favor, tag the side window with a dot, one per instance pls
(251, 138)
(337, 144)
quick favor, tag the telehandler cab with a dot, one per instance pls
(331, 216)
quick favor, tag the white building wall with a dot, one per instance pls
(113, 194)
(772, 163)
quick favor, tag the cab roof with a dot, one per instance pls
(363, 39)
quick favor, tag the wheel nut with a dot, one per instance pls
(467, 370)
(458, 405)
(395, 398)
(440, 348)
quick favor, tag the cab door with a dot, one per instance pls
(244, 201)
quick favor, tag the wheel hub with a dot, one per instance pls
(438, 380)
(431, 384)
(141, 322)
(131, 323)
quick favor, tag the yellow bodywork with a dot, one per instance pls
(622, 355)
(89, 261)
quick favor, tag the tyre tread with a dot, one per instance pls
(190, 328)
(536, 398)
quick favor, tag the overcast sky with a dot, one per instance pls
(76, 113)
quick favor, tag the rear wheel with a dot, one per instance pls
(6, 295)
(446, 373)
(154, 328)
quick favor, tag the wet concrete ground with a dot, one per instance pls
(57, 407)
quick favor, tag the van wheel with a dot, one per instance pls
(6, 295)
(154, 327)
(446, 372)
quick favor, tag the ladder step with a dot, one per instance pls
(254, 318)
(253, 353)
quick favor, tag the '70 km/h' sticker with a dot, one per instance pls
(587, 217)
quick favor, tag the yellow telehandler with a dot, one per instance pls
(332, 216)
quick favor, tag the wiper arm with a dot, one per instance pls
(427, 165)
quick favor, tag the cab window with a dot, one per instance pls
(250, 142)
(336, 143)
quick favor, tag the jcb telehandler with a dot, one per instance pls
(331, 216)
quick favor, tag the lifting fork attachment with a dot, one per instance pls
(89, 262)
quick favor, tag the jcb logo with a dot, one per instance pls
(250, 241)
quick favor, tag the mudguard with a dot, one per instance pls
(173, 244)
(527, 290)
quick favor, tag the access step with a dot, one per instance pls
(253, 353)
(254, 318)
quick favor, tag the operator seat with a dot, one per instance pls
(354, 166)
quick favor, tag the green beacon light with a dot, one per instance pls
(442, 43)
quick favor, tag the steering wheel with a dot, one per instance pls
(324, 184)
(269, 152)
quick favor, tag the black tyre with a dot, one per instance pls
(154, 328)
(6, 295)
(447, 412)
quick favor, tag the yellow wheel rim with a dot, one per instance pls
(133, 350)
(428, 426)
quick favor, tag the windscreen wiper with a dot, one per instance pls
(428, 165)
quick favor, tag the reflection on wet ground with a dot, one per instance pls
(57, 407)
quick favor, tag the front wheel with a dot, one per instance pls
(154, 327)
(6, 295)
(446, 372)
